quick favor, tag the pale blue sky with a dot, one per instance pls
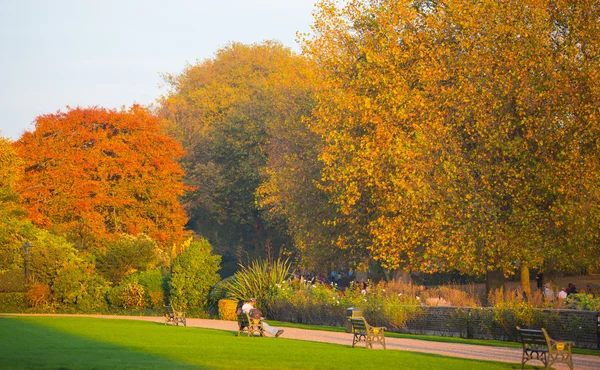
(110, 53)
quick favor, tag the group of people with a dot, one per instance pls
(248, 308)
(564, 292)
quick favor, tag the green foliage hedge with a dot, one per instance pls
(303, 302)
(193, 275)
(12, 281)
(388, 305)
(153, 282)
(226, 309)
(12, 302)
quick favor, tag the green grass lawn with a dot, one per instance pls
(89, 343)
(479, 342)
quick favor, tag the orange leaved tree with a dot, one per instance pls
(92, 174)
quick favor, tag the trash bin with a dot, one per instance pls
(352, 312)
(598, 330)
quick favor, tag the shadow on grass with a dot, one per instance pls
(26, 345)
(90, 343)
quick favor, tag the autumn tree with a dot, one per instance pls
(92, 174)
(223, 110)
(291, 189)
(53, 262)
(450, 127)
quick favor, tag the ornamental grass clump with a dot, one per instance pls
(511, 309)
(450, 295)
(259, 280)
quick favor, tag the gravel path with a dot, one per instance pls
(503, 354)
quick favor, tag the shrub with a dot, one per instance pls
(127, 295)
(72, 279)
(48, 256)
(113, 295)
(13, 281)
(38, 295)
(127, 255)
(78, 287)
(582, 301)
(511, 310)
(219, 291)
(193, 274)
(384, 304)
(152, 281)
(12, 302)
(227, 309)
(390, 304)
(133, 296)
(397, 311)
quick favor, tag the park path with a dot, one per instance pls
(477, 352)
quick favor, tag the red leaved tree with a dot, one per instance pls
(92, 174)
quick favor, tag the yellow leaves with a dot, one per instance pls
(448, 125)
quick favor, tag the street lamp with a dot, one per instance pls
(27, 250)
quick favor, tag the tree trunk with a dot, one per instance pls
(401, 275)
(494, 280)
(525, 281)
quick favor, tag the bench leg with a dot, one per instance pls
(570, 362)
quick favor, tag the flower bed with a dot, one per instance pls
(410, 309)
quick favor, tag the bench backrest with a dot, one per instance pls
(359, 323)
(169, 310)
(532, 337)
(243, 319)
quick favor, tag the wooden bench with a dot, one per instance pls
(250, 325)
(537, 345)
(367, 333)
(174, 316)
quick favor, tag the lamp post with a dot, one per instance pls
(27, 251)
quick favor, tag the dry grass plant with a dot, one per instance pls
(508, 296)
(453, 294)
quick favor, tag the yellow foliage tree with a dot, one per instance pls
(450, 128)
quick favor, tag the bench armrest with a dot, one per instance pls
(565, 345)
(377, 329)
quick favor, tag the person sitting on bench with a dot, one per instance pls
(255, 313)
